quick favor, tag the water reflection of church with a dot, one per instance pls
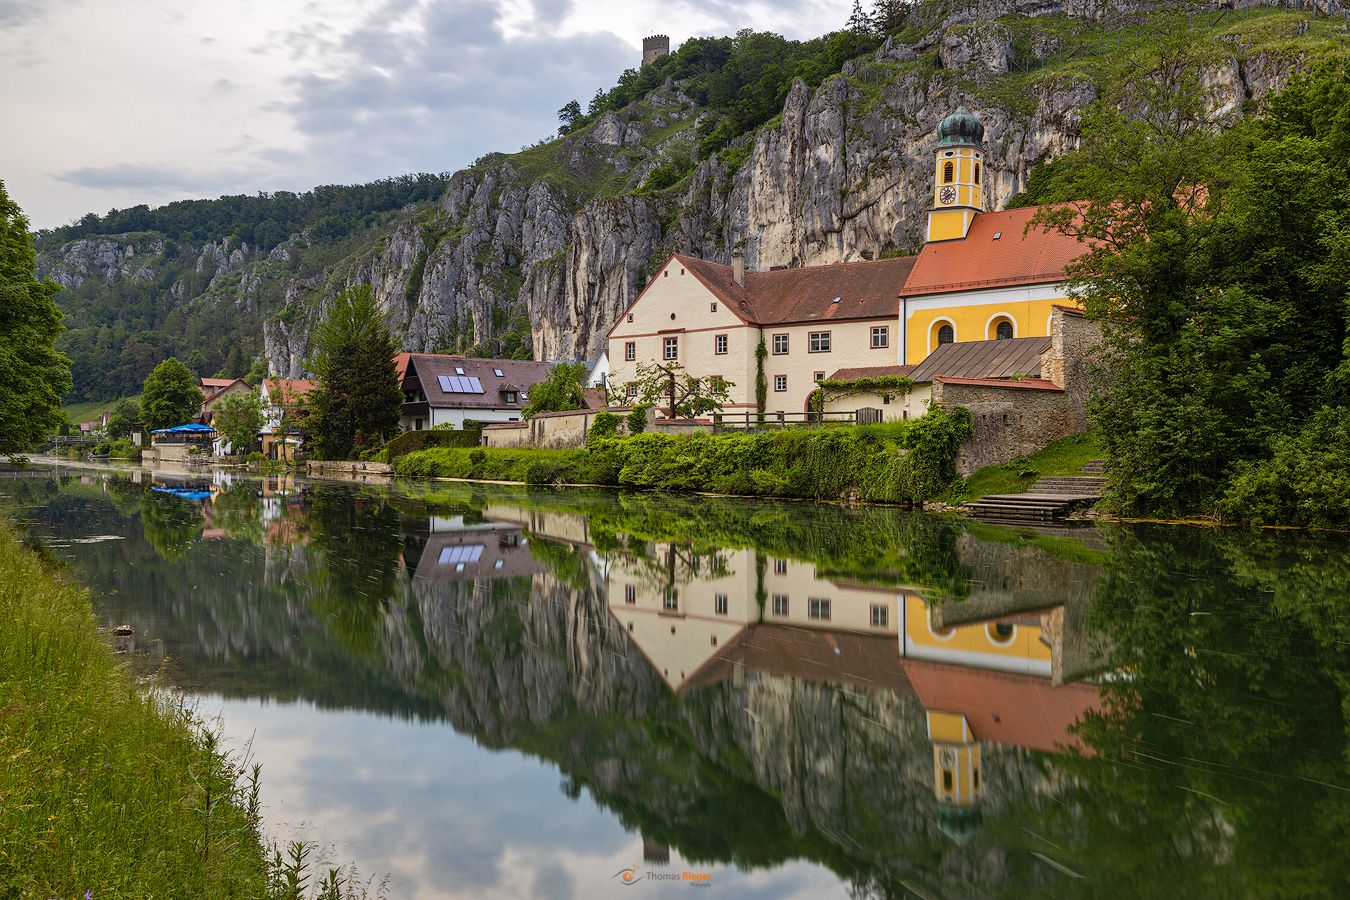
(1000, 667)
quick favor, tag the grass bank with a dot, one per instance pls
(1064, 457)
(107, 789)
(899, 462)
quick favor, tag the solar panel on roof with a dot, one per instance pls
(460, 384)
(460, 553)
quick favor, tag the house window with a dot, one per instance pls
(819, 342)
(720, 604)
(780, 344)
(459, 370)
(1003, 331)
(948, 170)
(672, 600)
(712, 307)
(632, 391)
(881, 336)
(630, 593)
(880, 615)
(417, 425)
(671, 348)
(630, 317)
(720, 344)
(780, 604)
(780, 383)
(818, 609)
(820, 376)
(780, 567)
(498, 372)
(630, 351)
(946, 335)
(510, 396)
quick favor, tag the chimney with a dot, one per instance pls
(738, 267)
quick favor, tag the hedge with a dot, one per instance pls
(897, 462)
(412, 441)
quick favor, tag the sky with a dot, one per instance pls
(110, 104)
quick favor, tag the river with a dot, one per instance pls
(487, 691)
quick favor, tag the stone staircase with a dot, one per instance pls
(1049, 498)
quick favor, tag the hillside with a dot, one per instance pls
(795, 153)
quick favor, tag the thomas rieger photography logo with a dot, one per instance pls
(631, 876)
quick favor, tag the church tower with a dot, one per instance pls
(958, 191)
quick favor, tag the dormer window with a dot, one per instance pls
(511, 396)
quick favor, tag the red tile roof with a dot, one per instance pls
(869, 372)
(1010, 709)
(289, 390)
(982, 260)
(210, 385)
(865, 290)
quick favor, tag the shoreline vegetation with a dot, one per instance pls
(112, 788)
(898, 462)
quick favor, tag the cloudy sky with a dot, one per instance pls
(109, 104)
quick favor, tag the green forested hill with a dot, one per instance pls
(797, 152)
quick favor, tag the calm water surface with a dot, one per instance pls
(496, 692)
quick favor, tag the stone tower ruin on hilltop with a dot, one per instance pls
(654, 47)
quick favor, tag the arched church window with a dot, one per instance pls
(1003, 331)
(946, 335)
(948, 172)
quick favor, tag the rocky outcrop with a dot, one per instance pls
(562, 235)
(105, 258)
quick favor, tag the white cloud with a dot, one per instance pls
(145, 101)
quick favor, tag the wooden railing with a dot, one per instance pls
(751, 421)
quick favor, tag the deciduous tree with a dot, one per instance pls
(33, 376)
(239, 418)
(170, 395)
(563, 388)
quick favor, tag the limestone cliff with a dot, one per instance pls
(541, 250)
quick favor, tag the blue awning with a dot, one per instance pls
(185, 429)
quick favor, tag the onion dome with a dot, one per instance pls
(961, 128)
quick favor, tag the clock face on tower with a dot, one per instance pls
(947, 195)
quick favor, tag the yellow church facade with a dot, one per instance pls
(980, 276)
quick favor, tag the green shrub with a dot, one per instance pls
(412, 441)
(606, 424)
(900, 462)
(254, 457)
(1305, 482)
(637, 419)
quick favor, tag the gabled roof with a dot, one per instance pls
(998, 251)
(211, 385)
(984, 359)
(865, 290)
(288, 391)
(479, 387)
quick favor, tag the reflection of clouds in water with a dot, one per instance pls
(445, 817)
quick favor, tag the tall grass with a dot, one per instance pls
(109, 788)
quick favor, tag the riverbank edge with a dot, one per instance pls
(894, 463)
(110, 787)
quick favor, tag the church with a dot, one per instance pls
(981, 278)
